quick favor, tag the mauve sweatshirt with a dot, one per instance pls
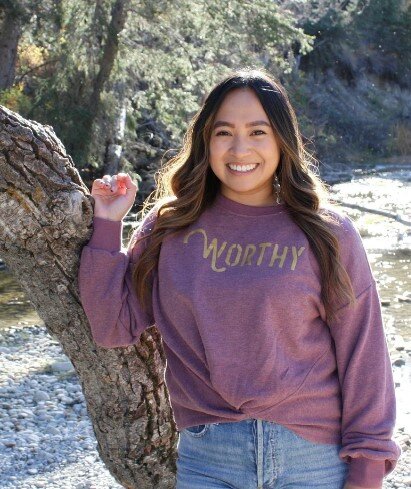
(236, 298)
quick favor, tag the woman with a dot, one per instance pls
(277, 364)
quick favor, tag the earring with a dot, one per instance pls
(277, 189)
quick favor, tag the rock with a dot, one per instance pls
(43, 420)
(9, 443)
(399, 362)
(62, 366)
(41, 396)
(405, 297)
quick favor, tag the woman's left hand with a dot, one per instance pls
(348, 485)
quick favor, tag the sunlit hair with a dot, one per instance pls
(186, 186)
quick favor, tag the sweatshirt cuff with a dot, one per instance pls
(364, 472)
(107, 235)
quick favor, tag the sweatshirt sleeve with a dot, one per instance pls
(364, 370)
(105, 284)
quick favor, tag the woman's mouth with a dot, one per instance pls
(241, 169)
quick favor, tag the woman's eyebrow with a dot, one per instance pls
(249, 124)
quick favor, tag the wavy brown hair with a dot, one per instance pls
(186, 186)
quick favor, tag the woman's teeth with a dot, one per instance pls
(242, 168)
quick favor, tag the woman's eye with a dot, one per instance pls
(257, 130)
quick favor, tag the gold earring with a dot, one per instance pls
(277, 189)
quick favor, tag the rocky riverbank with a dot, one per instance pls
(46, 438)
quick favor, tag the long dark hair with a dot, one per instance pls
(186, 186)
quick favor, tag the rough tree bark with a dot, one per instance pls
(46, 215)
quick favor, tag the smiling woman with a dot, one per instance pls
(245, 155)
(264, 297)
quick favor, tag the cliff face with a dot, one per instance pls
(354, 88)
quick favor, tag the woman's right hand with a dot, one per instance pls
(114, 196)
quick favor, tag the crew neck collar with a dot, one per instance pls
(246, 209)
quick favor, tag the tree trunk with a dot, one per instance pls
(10, 33)
(379, 212)
(114, 142)
(46, 215)
(117, 22)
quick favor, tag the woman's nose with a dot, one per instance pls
(240, 147)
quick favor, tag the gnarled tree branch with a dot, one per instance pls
(46, 215)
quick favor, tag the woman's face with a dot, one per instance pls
(236, 142)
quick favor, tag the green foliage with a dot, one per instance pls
(182, 56)
(15, 99)
(167, 60)
(172, 52)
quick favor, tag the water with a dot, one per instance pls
(15, 309)
(388, 242)
(388, 245)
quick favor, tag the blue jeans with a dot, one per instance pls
(255, 454)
